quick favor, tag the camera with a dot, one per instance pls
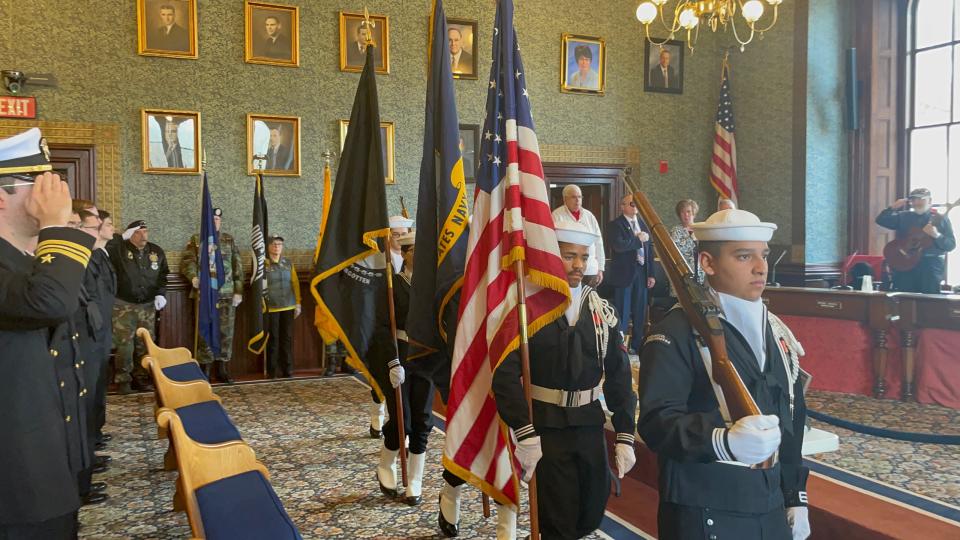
(13, 80)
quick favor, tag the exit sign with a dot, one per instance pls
(18, 107)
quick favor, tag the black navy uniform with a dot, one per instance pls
(926, 276)
(417, 388)
(679, 418)
(573, 477)
(41, 381)
(88, 323)
(106, 293)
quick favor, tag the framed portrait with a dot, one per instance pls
(167, 28)
(469, 149)
(462, 35)
(386, 140)
(272, 34)
(171, 141)
(353, 41)
(277, 139)
(582, 64)
(663, 67)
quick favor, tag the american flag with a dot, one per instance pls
(511, 222)
(723, 169)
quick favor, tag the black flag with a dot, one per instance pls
(258, 277)
(350, 282)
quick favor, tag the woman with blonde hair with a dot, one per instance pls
(682, 235)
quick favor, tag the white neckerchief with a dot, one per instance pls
(749, 319)
(573, 310)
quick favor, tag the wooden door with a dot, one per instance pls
(77, 165)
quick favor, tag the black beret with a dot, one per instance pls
(139, 224)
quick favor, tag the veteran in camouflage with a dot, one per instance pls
(230, 296)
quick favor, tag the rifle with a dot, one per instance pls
(703, 313)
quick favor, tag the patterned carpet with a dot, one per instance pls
(312, 436)
(932, 470)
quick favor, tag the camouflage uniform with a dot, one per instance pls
(232, 284)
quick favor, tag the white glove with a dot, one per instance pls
(128, 234)
(397, 374)
(626, 458)
(237, 298)
(159, 301)
(296, 311)
(798, 517)
(528, 453)
(196, 282)
(753, 439)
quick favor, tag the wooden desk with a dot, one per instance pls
(919, 311)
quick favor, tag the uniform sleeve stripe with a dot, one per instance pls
(68, 247)
(525, 432)
(63, 249)
(625, 438)
(393, 363)
(50, 250)
(802, 496)
(720, 444)
(65, 244)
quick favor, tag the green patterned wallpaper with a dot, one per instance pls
(102, 79)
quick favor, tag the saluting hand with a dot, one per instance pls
(49, 202)
(898, 204)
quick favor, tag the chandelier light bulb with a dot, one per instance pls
(689, 19)
(646, 12)
(753, 10)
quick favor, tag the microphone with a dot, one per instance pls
(773, 270)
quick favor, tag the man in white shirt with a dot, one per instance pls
(573, 210)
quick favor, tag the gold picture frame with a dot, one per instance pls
(387, 138)
(352, 56)
(167, 28)
(276, 137)
(467, 67)
(170, 141)
(271, 34)
(582, 64)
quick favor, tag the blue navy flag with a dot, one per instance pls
(442, 215)
(210, 274)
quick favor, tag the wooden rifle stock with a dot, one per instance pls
(702, 311)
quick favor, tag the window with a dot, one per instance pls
(933, 107)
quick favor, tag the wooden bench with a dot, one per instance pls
(226, 491)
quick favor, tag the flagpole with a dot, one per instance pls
(196, 299)
(401, 430)
(261, 159)
(525, 371)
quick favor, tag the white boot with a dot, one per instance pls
(506, 523)
(387, 471)
(377, 412)
(415, 478)
(449, 518)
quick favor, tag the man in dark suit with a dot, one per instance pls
(278, 154)
(275, 43)
(42, 388)
(357, 49)
(663, 75)
(169, 36)
(631, 269)
(461, 62)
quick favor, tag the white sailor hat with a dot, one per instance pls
(400, 221)
(733, 225)
(24, 153)
(407, 239)
(573, 232)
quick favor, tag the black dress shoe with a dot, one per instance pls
(97, 469)
(392, 493)
(375, 433)
(413, 500)
(94, 498)
(97, 487)
(448, 529)
(106, 437)
(100, 446)
(100, 459)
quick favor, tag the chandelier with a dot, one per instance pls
(691, 15)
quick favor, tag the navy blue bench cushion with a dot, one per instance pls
(187, 372)
(207, 423)
(244, 507)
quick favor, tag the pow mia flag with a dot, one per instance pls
(258, 277)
